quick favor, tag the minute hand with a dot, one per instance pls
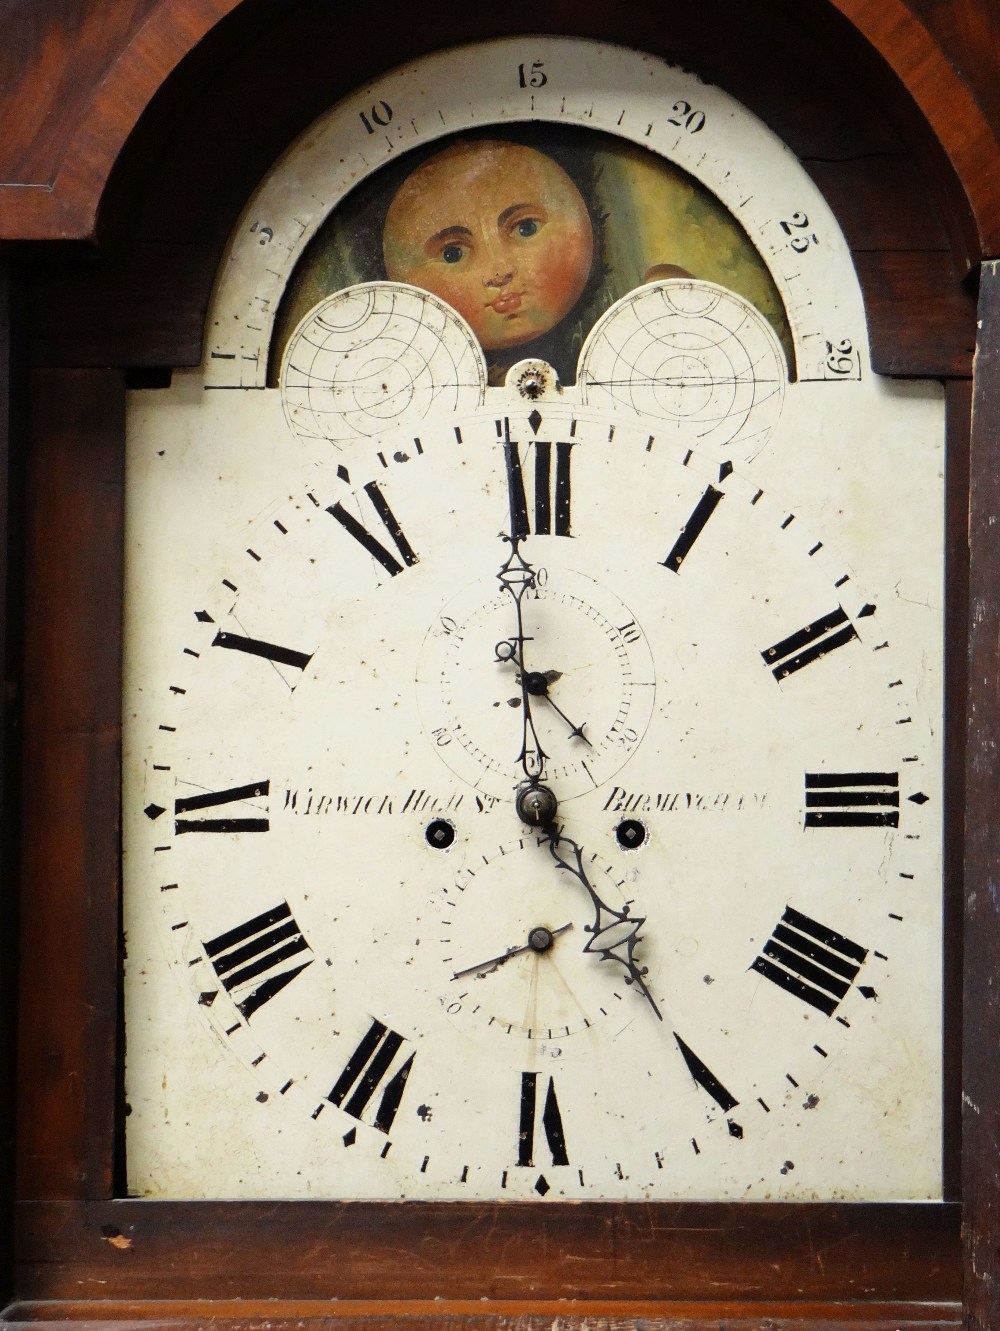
(517, 577)
(614, 933)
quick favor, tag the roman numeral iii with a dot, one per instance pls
(852, 799)
(810, 961)
(255, 960)
(366, 1070)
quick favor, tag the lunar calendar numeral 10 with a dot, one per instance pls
(371, 543)
(551, 507)
(852, 799)
(250, 960)
(811, 961)
(366, 1070)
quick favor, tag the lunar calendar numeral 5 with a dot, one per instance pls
(366, 1070)
(371, 543)
(212, 799)
(852, 799)
(250, 960)
(551, 495)
(810, 961)
(552, 1125)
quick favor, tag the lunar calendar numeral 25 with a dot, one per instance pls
(371, 543)
(250, 959)
(551, 507)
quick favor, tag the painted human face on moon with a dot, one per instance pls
(497, 230)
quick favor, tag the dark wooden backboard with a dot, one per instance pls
(132, 135)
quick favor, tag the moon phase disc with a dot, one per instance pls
(377, 356)
(694, 356)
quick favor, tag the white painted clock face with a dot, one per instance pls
(715, 973)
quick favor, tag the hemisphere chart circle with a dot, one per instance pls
(692, 355)
(374, 357)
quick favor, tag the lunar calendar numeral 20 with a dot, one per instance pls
(551, 507)
(250, 960)
(371, 543)
(366, 1070)
(810, 960)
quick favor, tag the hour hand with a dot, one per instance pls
(614, 933)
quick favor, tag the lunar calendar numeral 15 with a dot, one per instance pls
(816, 640)
(250, 960)
(852, 799)
(552, 1125)
(371, 543)
(551, 506)
(213, 799)
(810, 961)
(366, 1070)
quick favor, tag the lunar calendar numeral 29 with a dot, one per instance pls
(810, 960)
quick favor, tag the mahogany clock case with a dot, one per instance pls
(82, 321)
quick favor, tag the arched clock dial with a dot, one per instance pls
(712, 974)
(532, 786)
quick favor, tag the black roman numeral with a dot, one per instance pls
(250, 960)
(269, 651)
(371, 543)
(705, 1078)
(552, 1125)
(852, 799)
(809, 644)
(366, 1070)
(210, 799)
(551, 503)
(810, 960)
(693, 528)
